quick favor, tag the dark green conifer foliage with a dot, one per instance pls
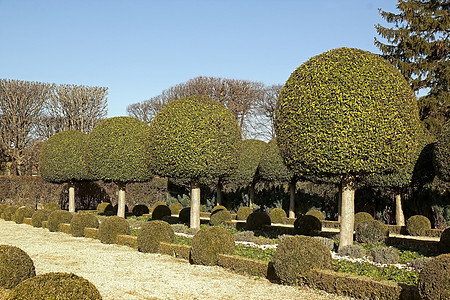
(249, 159)
(442, 153)
(419, 46)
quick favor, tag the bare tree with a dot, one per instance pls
(146, 110)
(79, 107)
(21, 104)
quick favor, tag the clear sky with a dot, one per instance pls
(139, 48)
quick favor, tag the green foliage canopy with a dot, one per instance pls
(442, 153)
(61, 158)
(249, 158)
(346, 111)
(194, 138)
(116, 150)
(271, 166)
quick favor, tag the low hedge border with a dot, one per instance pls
(413, 243)
(91, 232)
(127, 240)
(434, 232)
(28, 221)
(360, 287)
(248, 266)
(176, 250)
(64, 227)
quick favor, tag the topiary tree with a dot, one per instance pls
(346, 113)
(243, 213)
(61, 160)
(249, 158)
(276, 215)
(140, 209)
(418, 225)
(272, 169)
(220, 217)
(57, 217)
(152, 233)
(39, 216)
(81, 221)
(105, 208)
(23, 212)
(111, 227)
(116, 150)
(362, 217)
(442, 153)
(209, 242)
(194, 139)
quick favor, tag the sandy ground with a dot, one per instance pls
(120, 272)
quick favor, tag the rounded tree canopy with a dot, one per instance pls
(442, 153)
(346, 111)
(249, 158)
(194, 138)
(271, 166)
(61, 158)
(117, 150)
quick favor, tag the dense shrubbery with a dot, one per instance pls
(442, 153)
(362, 217)
(220, 217)
(111, 227)
(105, 208)
(385, 255)
(354, 250)
(209, 242)
(316, 213)
(81, 221)
(184, 215)
(371, 232)
(152, 233)
(277, 215)
(175, 208)
(51, 206)
(444, 242)
(56, 286)
(307, 225)
(139, 210)
(257, 220)
(243, 213)
(418, 225)
(57, 217)
(434, 280)
(39, 216)
(156, 204)
(15, 266)
(161, 211)
(23, 212)
(8, 213)
(249, 158)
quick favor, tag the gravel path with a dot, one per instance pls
(120, 272)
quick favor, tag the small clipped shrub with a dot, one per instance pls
(444, 242)
(316, 213)
(51, 206)
(371, 232)
(111, 227)
(418, 225)
(295, 256)
(277, 215)
(105, 208)
(175, 208)
(39, 216)
(220, 217)
(160, 212)
(210, 241)
(152, 233)
(385, 255)
(307, 225)
(56, 286)
(157, 204)
(355, 251)
(23, 212)
(184, 216)
(362, 217)
(15, 266)
(257, 220)
(217, 208)
(243, 212)
(9, 213)
(434, 280)
(57, 217)
(81, 221)
(140, 209)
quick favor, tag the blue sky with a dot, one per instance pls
(139, 48)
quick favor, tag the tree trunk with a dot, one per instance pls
(347, 211)
(121, 200)
(339, 202)
(292, 190)
(8, 167)
(219, 192)
(71, 197)
(399, 216)
(195, 205)
(251, 192)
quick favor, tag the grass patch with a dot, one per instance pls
(253, 252)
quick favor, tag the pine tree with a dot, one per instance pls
(418, 46)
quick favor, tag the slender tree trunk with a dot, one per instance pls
(339, 202)
(292, 190)
(347, 212)
(219, 192)
(195, 205)
(399, 216)
(251, 192)
(121, 200)
(8, 167)
(71, 197)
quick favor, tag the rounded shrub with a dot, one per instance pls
(111, 227)
(355, 251)
(23, 212)
(160, 212)
(9, 213)
(157, 204)
(152, 233)
(81, 221)
(243, 212)
(184, 216)
(210, 241)
(105, 208)
(418, 225)
(371, 232)
(39, 216)
(295, 256)
(277, 215)
(140, 209)
(442, 153)
(220, 217)
(362, 217)
(316, 213)
(15, 266)
(51, 206)
(444, 242)
(175, 208)
(385, 255)
(257, 220)
(218, 208)
(434, 279)
(57, 217)
(56, 286)
(307, 225)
